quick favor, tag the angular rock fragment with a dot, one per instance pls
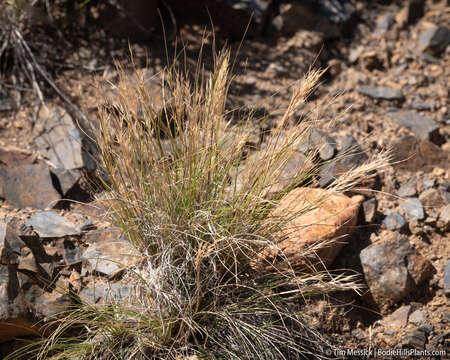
(408, 189)
(10, 244)
(421, 126)
(444, 218)
(28, 185)
(352, 155)
(109, 251)
(384, 22)
(380, 92)
(394, 221)
(62, 142)
(414, 339)
(48, 224)
(418, 155)
(48, 305)
(92, 294)
(67, 179)
(99, 293)
(393, 269)
(317, 140)
(417, 317)
(398, 319)
(323, 218)
(433, 198)
(70, 252)
(413, 209)
(434, 40)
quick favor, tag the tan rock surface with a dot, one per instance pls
(323, 218)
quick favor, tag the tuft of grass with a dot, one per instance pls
(173, 176)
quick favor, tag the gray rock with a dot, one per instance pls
(62, 142)
(109, 251)
(99, 293)
(72, 253)
(28, 185)
(426, 328)
(352, 155)
(394, 221)
(408, 189)
(67, 179)
(317, 140)
(28, 237)
(384, 23)
(117, 292)
(398, 319)
(380, 92)
(93, 294)
(355, 54)
(422, 127)
(370, 210)
(10, 244)
(447, 279)
(48, 305)
(434, 40)
(428, 184)
(413, 209)
(420, 105)
(414, 339)
(48, 224)
(444, 218)
(393, 269)
(433, 198)
(417, 317)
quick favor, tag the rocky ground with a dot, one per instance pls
(386, 87)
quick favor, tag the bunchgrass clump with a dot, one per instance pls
(198, 208)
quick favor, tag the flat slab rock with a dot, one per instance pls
(422, 127)
(393, 269)
(48, 224)
(109, 251)
(99, 293)
(322, 217)
(381, 92)
(61, 141)
(28, 185)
